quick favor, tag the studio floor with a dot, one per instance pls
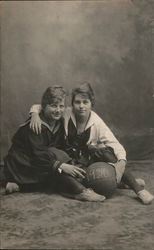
(45, 220)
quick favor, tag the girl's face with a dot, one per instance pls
(54, 111)
(82, 106)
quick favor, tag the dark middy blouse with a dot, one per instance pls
(32, 158)
(79, 150)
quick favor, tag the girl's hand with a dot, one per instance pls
(119, 168)
(73, 170)
(35, 123)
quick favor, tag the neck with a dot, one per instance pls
(81, 123)
(82, 119)
(51, 122)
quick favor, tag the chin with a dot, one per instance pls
(57, 118)
(82, 114)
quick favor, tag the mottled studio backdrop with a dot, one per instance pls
(107, 43)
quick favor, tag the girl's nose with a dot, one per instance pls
(58, 109)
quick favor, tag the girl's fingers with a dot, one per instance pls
(78, 174)
(81, 170)
(39, 129)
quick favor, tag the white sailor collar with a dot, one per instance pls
(90, 122)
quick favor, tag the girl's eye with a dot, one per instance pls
(77, 102)
(53, 106)
(61, 106)
(85, 102)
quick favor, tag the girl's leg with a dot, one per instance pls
(145, 196)
(66, 183)
(72, 188)
(130, 180)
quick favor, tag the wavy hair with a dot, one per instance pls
(85, 90)
(53, 94)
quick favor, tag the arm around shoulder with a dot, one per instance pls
(36, 108)
(35, 121)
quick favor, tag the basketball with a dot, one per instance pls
(101, 177)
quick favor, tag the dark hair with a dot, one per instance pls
(53, 94)
(85, 90)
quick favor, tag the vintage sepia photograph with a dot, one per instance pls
(77, 124)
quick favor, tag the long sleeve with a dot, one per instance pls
(108, 139)
(41, 155)
(33, 158)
